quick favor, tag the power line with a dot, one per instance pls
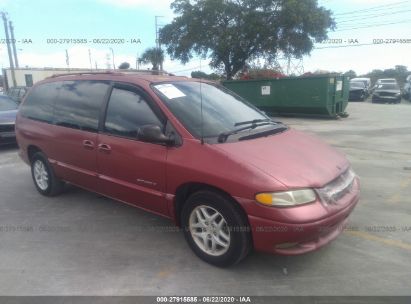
(374, 8)
(186, 70)
(372, 25)
(367, 23)
(374, 15)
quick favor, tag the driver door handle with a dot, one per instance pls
(88, 144)
(104, 148)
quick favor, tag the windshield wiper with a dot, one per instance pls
(253, 122)
(222, 137)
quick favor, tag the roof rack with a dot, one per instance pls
(86, 73)
(126, 72)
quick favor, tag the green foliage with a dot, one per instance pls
(231, 32)
(202, 75)
(400, 72)
(350, 74)
(124, 66)
(154, 56)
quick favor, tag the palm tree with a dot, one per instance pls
(153, 55)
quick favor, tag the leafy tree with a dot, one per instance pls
(124, 66)
(202, 75)
(153, 55)
(350, 74)
(401, 69)
(231, 32)
(400, 73)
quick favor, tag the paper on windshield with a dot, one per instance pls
(170, 91)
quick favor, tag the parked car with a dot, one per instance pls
(386, 80)
(8, 111)
(357, 91)
(17, 93)
(191, 151)
(365, 81)
(407, 88)
(387, 93)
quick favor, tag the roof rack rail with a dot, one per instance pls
(86, 73)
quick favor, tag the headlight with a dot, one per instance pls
(397, 94)
(286, 198)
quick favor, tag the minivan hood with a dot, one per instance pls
(293, 158)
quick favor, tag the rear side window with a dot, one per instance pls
(40, 101)
(79, 103)
(126, 112)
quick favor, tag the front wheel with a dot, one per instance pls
(215, 228)
(43, 175)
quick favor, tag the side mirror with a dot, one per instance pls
(154, 134)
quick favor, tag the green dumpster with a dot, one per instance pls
(325, 95)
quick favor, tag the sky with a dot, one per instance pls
(37, 23)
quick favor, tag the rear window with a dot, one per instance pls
(40, 101)
(79, 103)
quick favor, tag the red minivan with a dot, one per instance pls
(191, 151)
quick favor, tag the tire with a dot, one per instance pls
(43, 176)
(234, 233)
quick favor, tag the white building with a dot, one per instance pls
(26, 77)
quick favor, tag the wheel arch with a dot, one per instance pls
(184, 191)
(31, 150)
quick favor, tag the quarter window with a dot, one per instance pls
(127, 111)
(40, 102)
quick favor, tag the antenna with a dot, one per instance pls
(201, 108)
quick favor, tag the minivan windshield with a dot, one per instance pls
(223, 111)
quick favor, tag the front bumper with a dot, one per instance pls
(293, 238)
(386, 98)
(7, 137)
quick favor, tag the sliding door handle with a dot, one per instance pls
(104, 148)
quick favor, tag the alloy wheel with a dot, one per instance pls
(209, 230)
(41, 175)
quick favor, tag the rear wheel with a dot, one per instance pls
(43, 175)
(216, 230)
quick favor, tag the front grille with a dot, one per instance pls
(6, 128)
(338, 188)
(387, 94)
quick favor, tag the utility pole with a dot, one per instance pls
(13, 41)
(67, 59)
(112, 53)
(13, 76)
(158, 44)
(89, 58)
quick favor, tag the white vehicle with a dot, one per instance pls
(407, 88)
